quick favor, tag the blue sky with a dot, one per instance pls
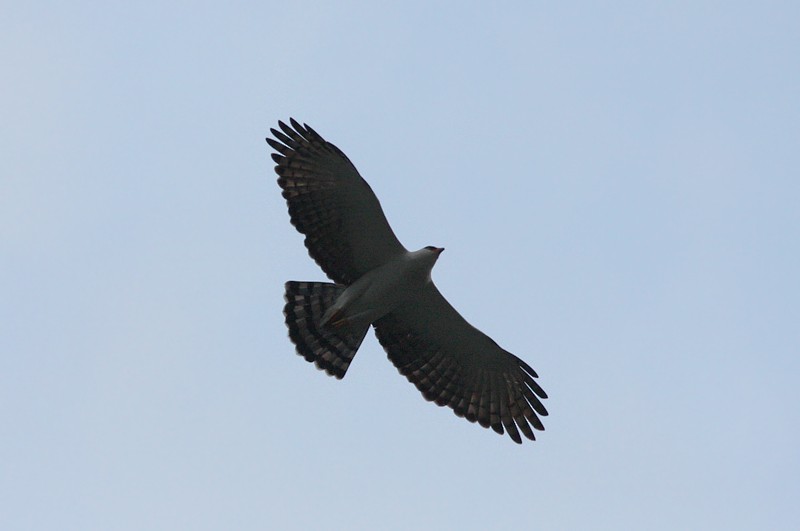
(617, 189)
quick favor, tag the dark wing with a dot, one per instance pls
(346, 231)
(454, 364)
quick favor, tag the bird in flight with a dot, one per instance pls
(377, 282)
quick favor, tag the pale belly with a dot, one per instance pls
(377, 293)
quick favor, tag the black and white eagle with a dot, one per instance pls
(379, 282)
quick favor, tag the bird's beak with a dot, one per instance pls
(439, 250)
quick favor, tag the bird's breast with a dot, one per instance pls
(381, 290)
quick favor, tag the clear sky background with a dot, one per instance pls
(618, 190)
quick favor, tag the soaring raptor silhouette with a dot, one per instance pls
(379, 282)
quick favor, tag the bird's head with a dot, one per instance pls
(426, 258)
(436, 251)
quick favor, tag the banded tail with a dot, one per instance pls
(330, 348)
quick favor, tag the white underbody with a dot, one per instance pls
(380, 290)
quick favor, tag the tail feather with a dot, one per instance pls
(330, 348)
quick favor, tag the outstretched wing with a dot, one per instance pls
(454, 364)
(346, 231)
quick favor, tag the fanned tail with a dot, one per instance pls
(330, 348)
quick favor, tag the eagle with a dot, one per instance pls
(378, 282)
